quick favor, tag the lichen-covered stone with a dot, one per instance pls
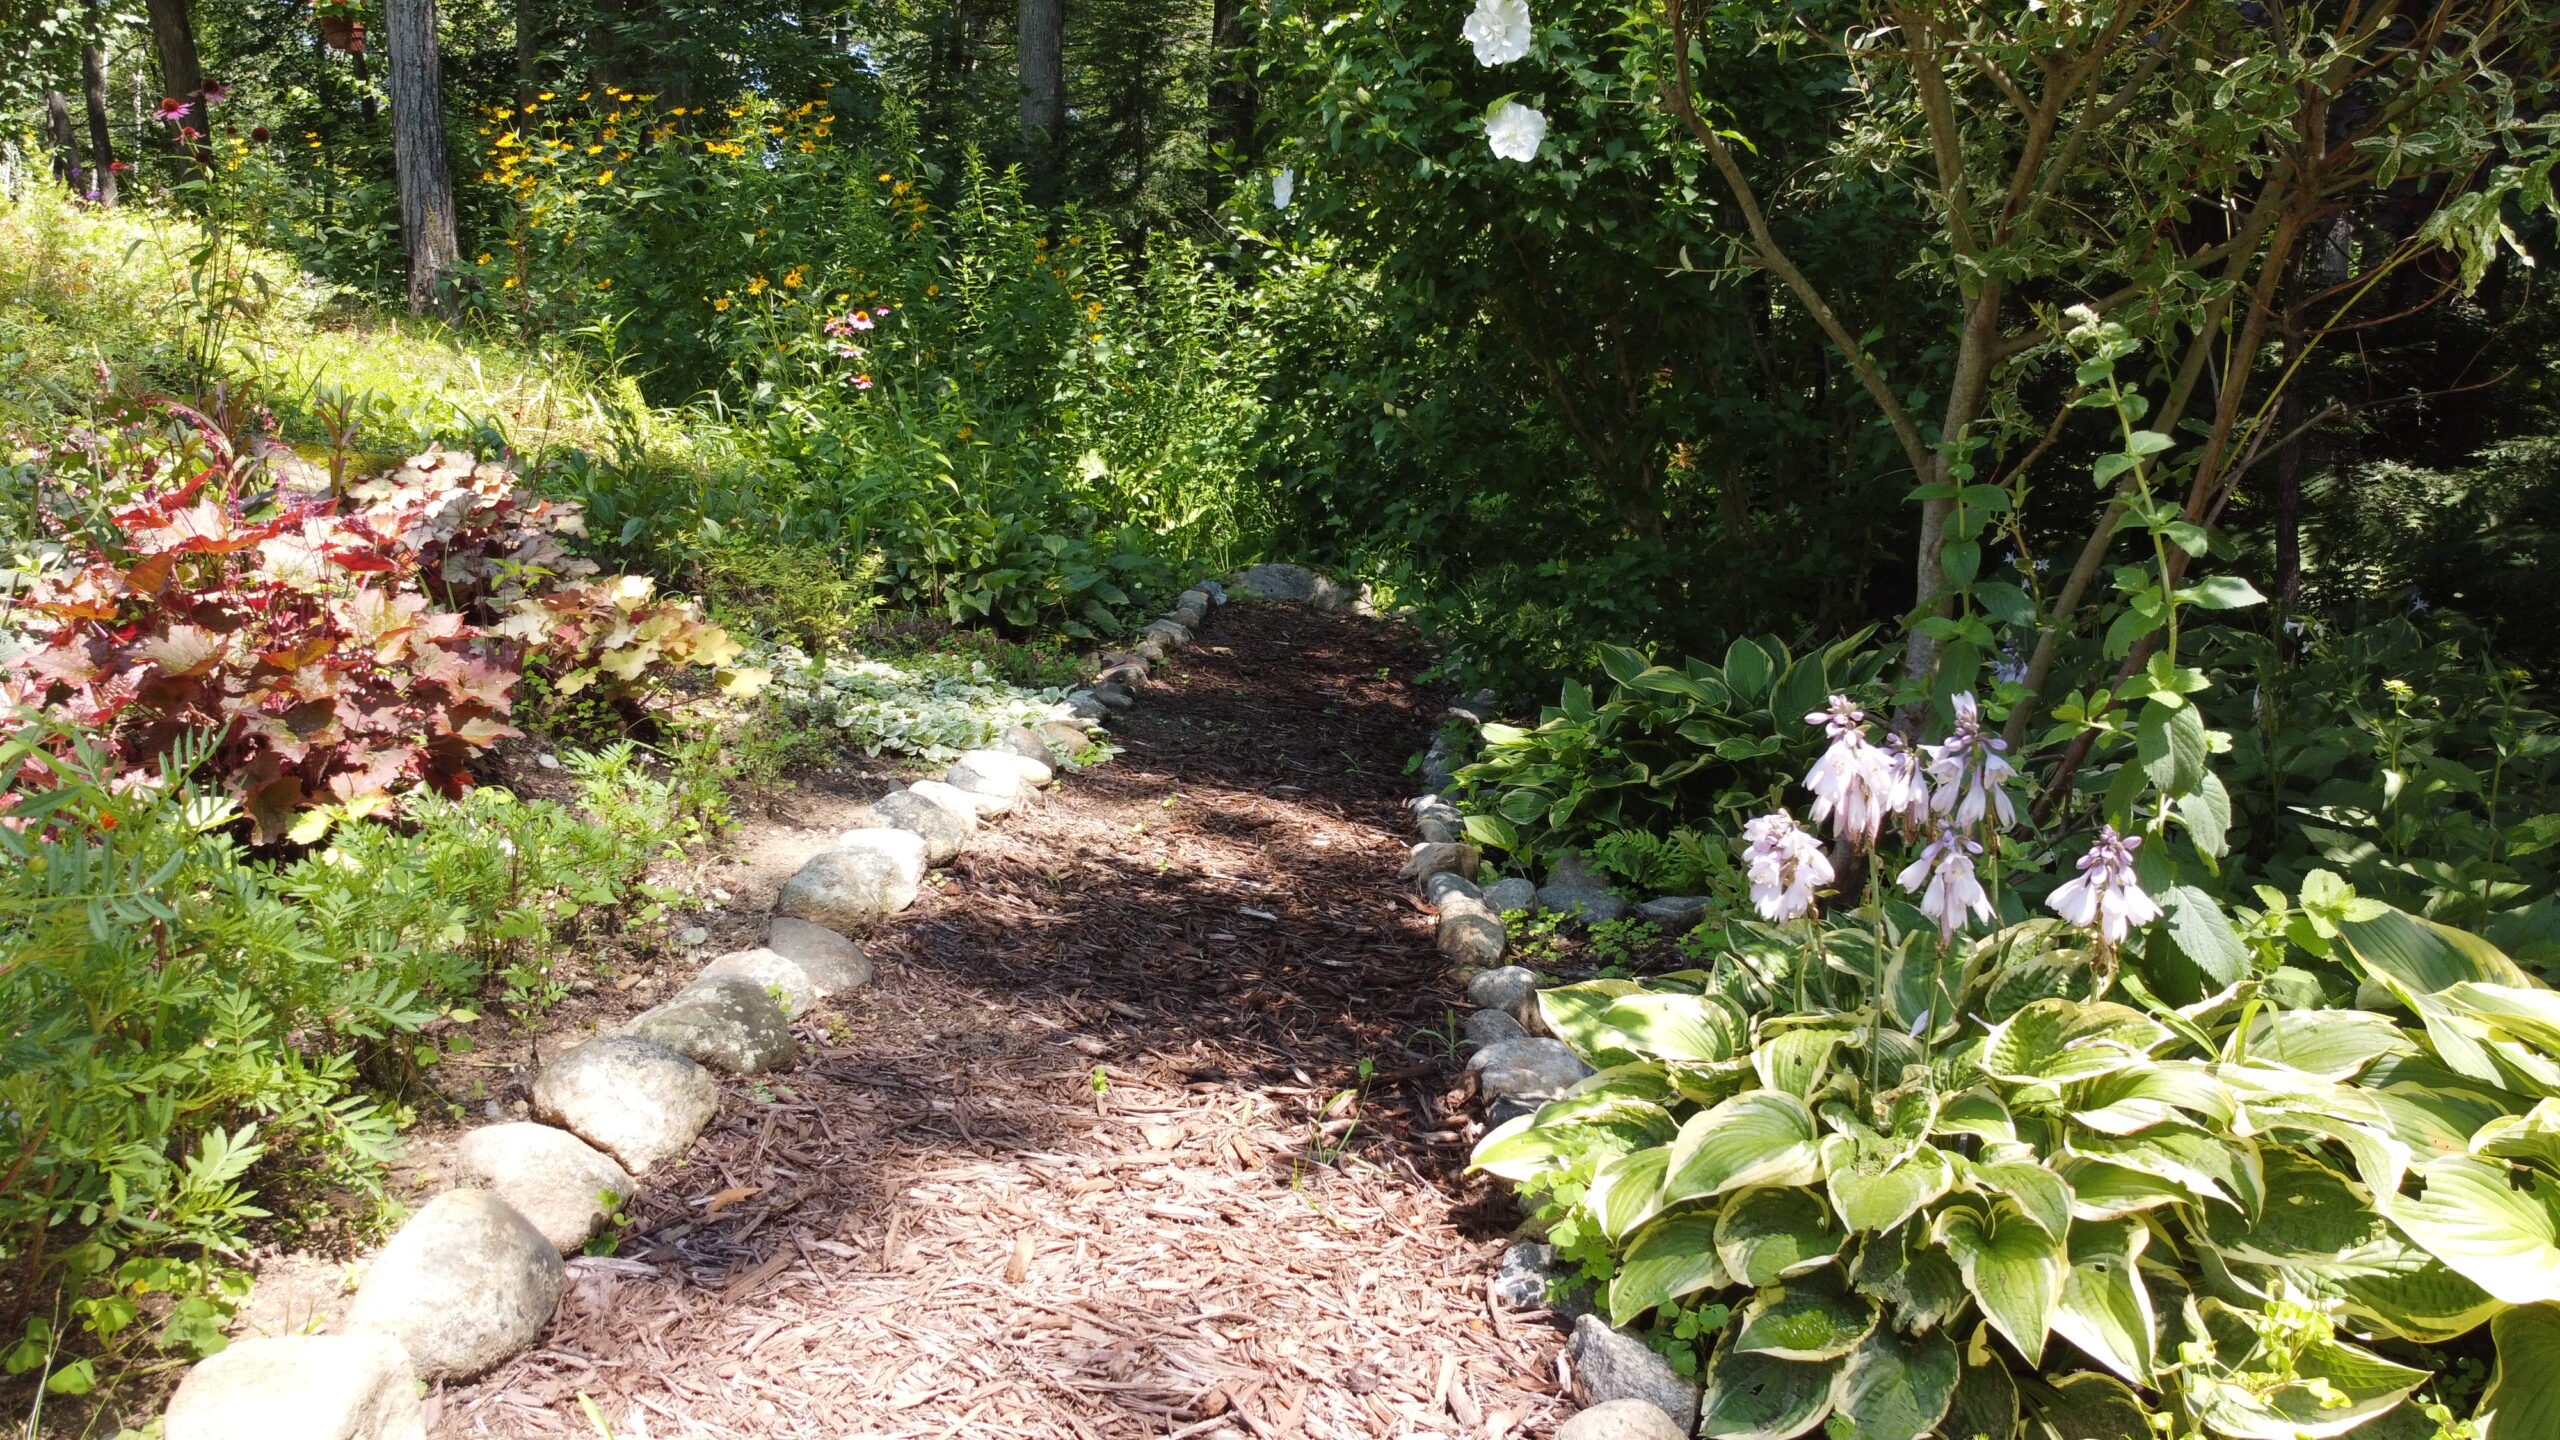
(869, 876)
(634, 1099)
(555, 1180)
(726, 1021)
(945, 833)
(466, 1283)
(300, 1387)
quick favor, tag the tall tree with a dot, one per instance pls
(173, 45)
(1040, 51)
(418, 149)
(93, 87)
(61, 139)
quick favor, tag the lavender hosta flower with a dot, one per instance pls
(1944, 879)
(2104, 897)
(1787, 866)
(1515, 132)
(1850, 782)
(1904, 788)
(1972, 772)
(1499, 29)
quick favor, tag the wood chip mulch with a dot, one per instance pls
(1144, 1128)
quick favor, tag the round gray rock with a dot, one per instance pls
(300, 1387)
(1492, 1027)
(1469, 934)
(1173, 633)
(1678, 914)
(1429, 858)
(945, 834)
(1592, 905)
(555, 1180)
(1438, 886)
(1628, 1419)
(1032, 771)
(1533, 1067)
(789, 981)
(1022, 740)
(1529, 1276)
(728, 1022)
(634, 1099)
(1064, 737)
(1504, 896)
(869, 876)
(1085, 705)
(1508, 988)
(962, 806)
(1115, 696)
(465, 1284)
(1613, 1365)
(833, 963)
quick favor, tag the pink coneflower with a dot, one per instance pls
(861, 382)
(173, 109)
(214, 92)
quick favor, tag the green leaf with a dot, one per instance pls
(2126, 1101)
(1681, 1027)
(1794, 1060)
(2169, 741)
(2499, 1232)
(1576, 1014)
(2421, 957)
(2341, 1386)
(2399, 1289)
(2005, 602)
(1761, 1137)
(1916, 1279)
(2311, 1216)
(2204, 934)
(2332, 1044)
(1812, 1318)
(2089, 1406)
(1493, 832)
(1627, 1191)
(1896, 1387)
(1986, 1398)
(1766, 1234)
(2533, 1137)
(2222, 592)
(2100, 1191)
(2523, 1398)
(1961, 561)
(1672, 1257)
(1875, 1192)
(2042, 1196)
(2057, 1040)
(1760, 1397)
(1747, 670)
(2207, 816)
(2013, 1269)
(2216, 1166)
(2104, 1308)
(2146, 442)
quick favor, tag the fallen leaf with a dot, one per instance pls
(729, 1197)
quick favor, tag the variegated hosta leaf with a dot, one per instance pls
(1593, 1128)
(1760, 1397)
(2524, 1395)
(2533, 1137)
(2057, 1041)
(2309, 1408)
(2420, 957)
(1912, 1276)
(1986, 1398)
(2217, 1167)
(1700, 1028)
(2311, 1216)
(2100, 1191)
(2087, 1406)
(2397, 1288)
(1977, 1112)
(1627, 1191)
(1672, 1257)
(2013, 1269)
(1896, 1387)
(1574, 1015)
(1876, 1187)
(1636, 1080)
(2431, 1109)
(1813, 1317)
(2332, 1044)
(1794, 1060)
(2105, 1310)
(1761, 1137)
(2042, 1196)
(1768, 1234)
(2502, 1235)
(2125, 1101)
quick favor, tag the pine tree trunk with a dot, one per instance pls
(173, 44)
(418, 151)
(93, 86)
(1040, 51)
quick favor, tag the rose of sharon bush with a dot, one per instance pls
(336, 650)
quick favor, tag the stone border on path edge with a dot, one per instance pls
(1631, 1392)
(474, 1278)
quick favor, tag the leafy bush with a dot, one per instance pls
(931, 706)
(334, 652)
(1684, 862)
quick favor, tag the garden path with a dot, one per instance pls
(1080, 1163)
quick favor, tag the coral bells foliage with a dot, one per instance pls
(335, 650)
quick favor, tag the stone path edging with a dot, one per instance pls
(475, 1276)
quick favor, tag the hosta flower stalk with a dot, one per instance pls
(1972, 771)
(1787, 866)
(1944, 879)
(1853, 783)
(2105, 898)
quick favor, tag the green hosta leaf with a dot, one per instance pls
(1811, 1318)
(2501, 1235)
(2433, 1110)
(1794, 1060)
(2214, 1166)
(1874, 1193)
(1986, 1398)
(2331, 1372)
(2332, 1044)
(1895, 1387)
(1768, 1234)
(2012, 1267)
(2090, 1406)
(2100, 1191)
(1574, 1014)
(1760, 1397)
(2402, 1290)
(2311, 1216)
(2420, 957)
(2104, 1308)
(1628, 1191)
(2042, 1196)
(1747, 670)
(1596, 1128)
(1681, 1027)
(1762, 1137)
(1637, 1080)
(2523, 1398)
(1672, 1257)
(1976, 1112)
(2127, 1101)
(1918, 1280)
(2533, 1137)
(2061, 1040)
(2530, 1015)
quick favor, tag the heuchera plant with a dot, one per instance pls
(338, 651)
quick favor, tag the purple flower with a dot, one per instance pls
(1786, 864)
(1944, 879)
(2105, 897)
(1972, 771)
(1851, 780)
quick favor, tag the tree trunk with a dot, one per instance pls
(418, 150)
(529, 34)
(173, 45)
(93, 86)
(1233, 102)
(1040, 50)
(365, 105)
(62, 139)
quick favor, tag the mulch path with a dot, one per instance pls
(1147, 1127)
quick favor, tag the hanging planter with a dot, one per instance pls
(341, 25)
